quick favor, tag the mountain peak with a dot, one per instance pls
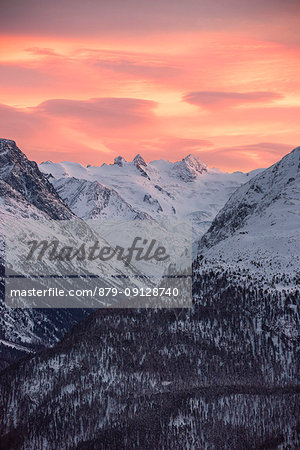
(195, 162)
(139, 160)
(189, 168)
(119, 161)
(25, 178)
(6, 145)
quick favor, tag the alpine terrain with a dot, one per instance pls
(219, 375)
(26, 193)
(184, 190)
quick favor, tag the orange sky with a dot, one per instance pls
(87, 81)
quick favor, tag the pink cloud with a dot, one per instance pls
(19, 123)
(42, 51)
(152, 70)
(221, 100)
(14, 74)
(110, 76)
(101, 112)
(86, 130)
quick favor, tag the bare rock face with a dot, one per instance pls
(153, 202)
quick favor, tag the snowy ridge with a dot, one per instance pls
(185, 190)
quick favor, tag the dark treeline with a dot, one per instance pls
(222, 374)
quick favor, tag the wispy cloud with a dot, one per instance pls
(42, 51)
(102, 112)
(221, 100)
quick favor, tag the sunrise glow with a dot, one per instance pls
(89, 84)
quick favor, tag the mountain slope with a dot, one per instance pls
(259, 226)
(91, 199)
(217, 375)
(26, 193)
(24, 177)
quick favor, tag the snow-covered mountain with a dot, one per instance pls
(259, 227)
(26, 193)
(185, 190)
